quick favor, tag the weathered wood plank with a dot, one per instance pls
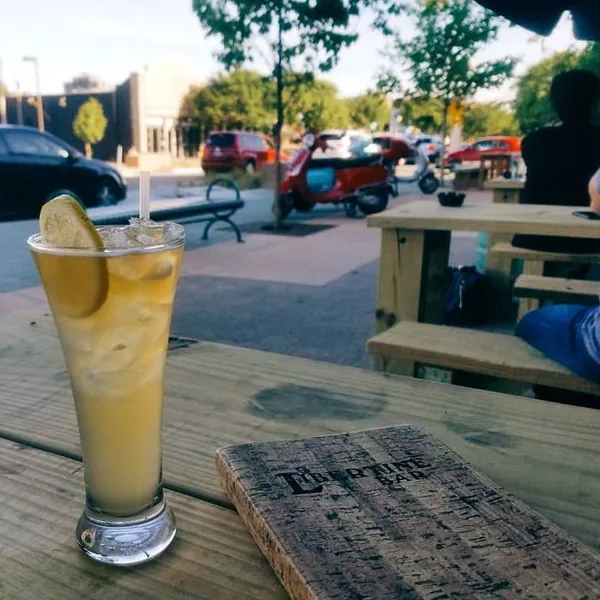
(530, 267)
(392, 513)
(546, 454)
(559, 289)
(41, 498)
(534, 219)
(495, 354)
(507, 250)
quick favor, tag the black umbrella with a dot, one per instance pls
(541, 16)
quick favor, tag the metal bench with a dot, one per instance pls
(207, 210)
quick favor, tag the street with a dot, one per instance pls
(310, 296)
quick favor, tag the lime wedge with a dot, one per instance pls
(63, 223)
(76, 286)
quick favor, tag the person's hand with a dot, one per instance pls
(594, 189)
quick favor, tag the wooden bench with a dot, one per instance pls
(559, 289)
(493, 354)
(509, 251)
(533, 265)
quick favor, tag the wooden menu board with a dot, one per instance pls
(391, 513)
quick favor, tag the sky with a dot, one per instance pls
(113, 38)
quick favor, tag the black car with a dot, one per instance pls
(35, 166)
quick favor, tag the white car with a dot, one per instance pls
(340, 141)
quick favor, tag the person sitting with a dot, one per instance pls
(568, 333)
(562, 158)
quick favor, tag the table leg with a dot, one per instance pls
(412, 273)
(530, 267)
(499, 268)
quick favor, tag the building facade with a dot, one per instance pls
(143, 115)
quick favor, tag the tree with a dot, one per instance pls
(532, 102)
(422, 112)
(313, 104)
(442, 55)
(286, 33)
(90, 124)
(367, 109)
(236, 100)
(488, 118)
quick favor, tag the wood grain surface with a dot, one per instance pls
(495, 354)
(392, 514)
(532, 219)
(559, 289)
(501, 183)
(546, 454)
(508, 250)
(41, 497)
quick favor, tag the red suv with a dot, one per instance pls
(489, 145)
(226, 150)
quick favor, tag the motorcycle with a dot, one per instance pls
(359, 181)
(396, 149)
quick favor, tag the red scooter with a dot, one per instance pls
(360, 181)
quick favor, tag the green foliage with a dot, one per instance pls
(312, 104)
(367, 109)
(424, 113)
(488, 118)
(441, 57)
(532, 103)
(237, 100)
(90, 123)
(243, 99)
(313, 31)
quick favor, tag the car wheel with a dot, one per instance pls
(107, 193)
(250, 167)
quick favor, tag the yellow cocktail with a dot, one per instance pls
(112, 307)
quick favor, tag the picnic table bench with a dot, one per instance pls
(413, 262)
(208, 209)
(547, 455)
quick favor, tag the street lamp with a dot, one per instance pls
(39, 105)
(2, 95)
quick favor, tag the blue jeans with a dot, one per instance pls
(556, 331)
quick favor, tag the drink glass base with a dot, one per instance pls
(126, 541)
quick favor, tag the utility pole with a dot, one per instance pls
(19, 103)
(39, 103)
(2, 94)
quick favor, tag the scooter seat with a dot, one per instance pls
(345, 163)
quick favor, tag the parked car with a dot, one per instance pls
(431, 144)
(340, 141)
(227, 150)
(488, 145)
(36, 166)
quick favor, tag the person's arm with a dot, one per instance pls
(594, 190)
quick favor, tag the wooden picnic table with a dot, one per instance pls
(546, 454)
(415, 246)
(506, 190)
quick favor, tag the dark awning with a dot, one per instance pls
(541, 16)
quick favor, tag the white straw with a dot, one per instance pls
(144, 194)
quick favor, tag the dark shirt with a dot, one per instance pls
(560, 162)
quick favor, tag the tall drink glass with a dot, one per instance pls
(112, 308)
